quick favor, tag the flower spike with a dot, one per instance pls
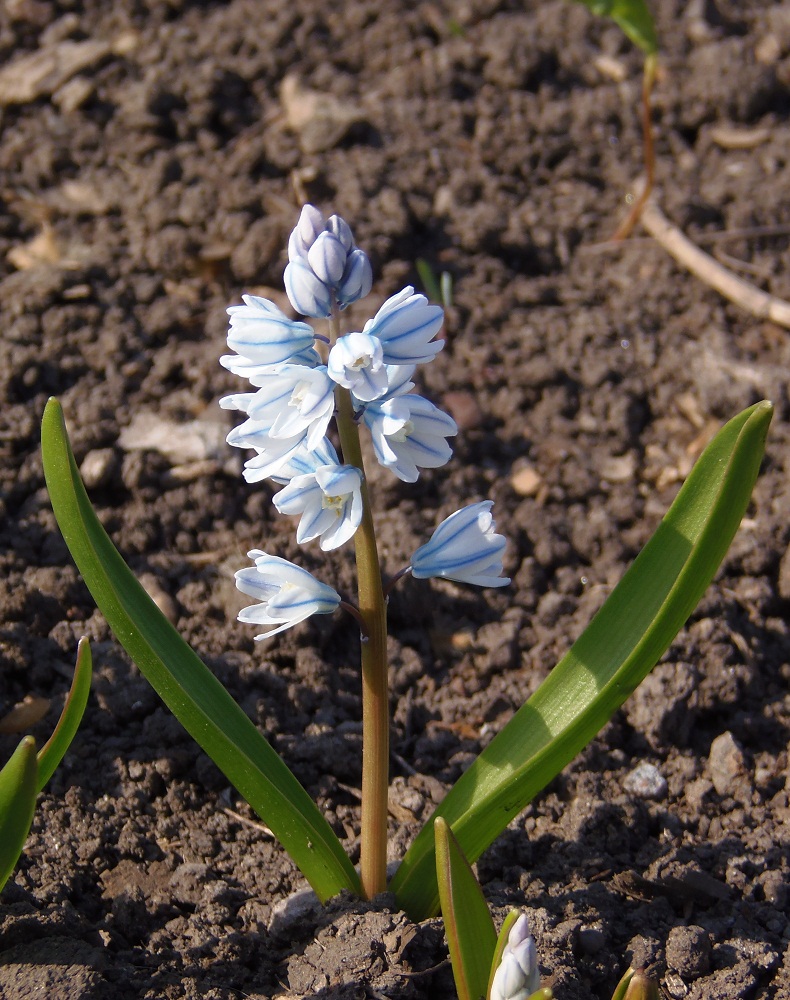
(464, 548)
(288, 594)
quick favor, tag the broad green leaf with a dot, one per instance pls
(633, 17)
(620, 646)
(17, 801)
(51, 754)
(471, 936)
(184, 682)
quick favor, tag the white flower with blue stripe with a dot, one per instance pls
(292, 401)
(302, 381)
(409, 433)
(329, 500)
(261, 334)
(356, 362)
(406, 325)
(287, 594)
(464, 547)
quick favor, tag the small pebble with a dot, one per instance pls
(160, 597)
(591, 940)
(646, 782)
(526, 482)
(618, 468)
(727, 766)
(98, 467)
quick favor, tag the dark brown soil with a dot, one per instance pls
(145, 186)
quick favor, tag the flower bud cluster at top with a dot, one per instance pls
(293, 402)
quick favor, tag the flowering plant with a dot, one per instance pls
(311, 394)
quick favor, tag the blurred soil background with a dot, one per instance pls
(153, 158)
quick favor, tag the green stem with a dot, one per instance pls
(375, 694)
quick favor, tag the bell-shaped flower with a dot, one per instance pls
(357, 278)
(291, 401)
(355, 362)
(287, 594)
(464, 547)
(270, 458)
(409, 433)
(271, 453)
(263, 335)
(246, 368)
(306, 292)
(517, 976)
(329, 501)
(406, 325)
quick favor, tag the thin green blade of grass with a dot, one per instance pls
(621, 645)
(17, 802)
(184, 683)
(471, 936)
(51, 754)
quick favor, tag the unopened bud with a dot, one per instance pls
(327, 258)
(641, 987)
(357, 279)
(340, 228)
(517, 976)
(307, 293)
(310, 225)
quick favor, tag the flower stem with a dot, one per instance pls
(375, 694)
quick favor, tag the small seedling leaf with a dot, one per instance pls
(633, 17)
(471, 936)
(51, 754)
(17, 801)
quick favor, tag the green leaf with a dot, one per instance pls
(51, 754)
(621, 645)
(470, 931)
(633, 17)
(17, 802)
(622, 986)
(184, 682)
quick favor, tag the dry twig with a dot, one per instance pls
(742, 293)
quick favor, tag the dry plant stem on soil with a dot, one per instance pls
(375, 696)
(742, 293)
